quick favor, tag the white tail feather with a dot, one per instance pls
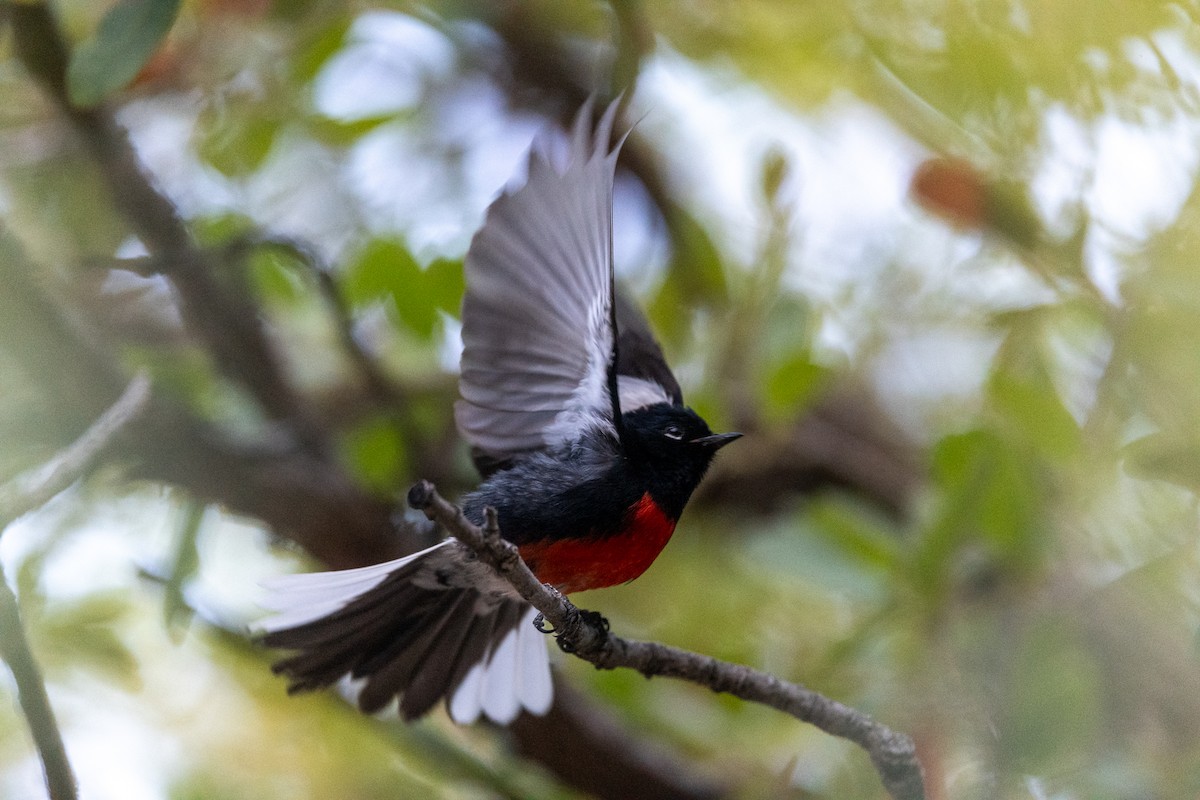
(514, 676)
(310, 596)
(535, 688)
(499, 690)
(466, 703)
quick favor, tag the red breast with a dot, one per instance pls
(573, 565)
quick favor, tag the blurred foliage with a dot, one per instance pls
(1031, 618)
(128, 35)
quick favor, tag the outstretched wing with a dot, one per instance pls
(538, 310)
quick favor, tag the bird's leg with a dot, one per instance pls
(578, 624)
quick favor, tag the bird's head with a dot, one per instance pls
(675, 446)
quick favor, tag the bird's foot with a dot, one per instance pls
(590, 619)
(596, 620)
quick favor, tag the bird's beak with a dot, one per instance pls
(717, 440)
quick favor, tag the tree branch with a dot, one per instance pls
(222, 316)
(35, 703)
(581, 632)
(35, 488)
(18, 497)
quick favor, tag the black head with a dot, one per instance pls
(673, 446)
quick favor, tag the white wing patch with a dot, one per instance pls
(583, 412)
(638, 393)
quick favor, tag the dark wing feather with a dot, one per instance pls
(639, 354)
(395, 667)
(437, 677)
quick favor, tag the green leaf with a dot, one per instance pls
(1167, 457)
(127, 37)
(992, 499)
(386, 270)
(446, 285)
(275, 274)
(870, 541)
(792, 384)
(339, 133)
(85, 632)
(240, 146)
(1054, 713)
(219, 229)
(317, 47)
(376, 452)
(840, 551)
(695, 278)
(377, 271)
(1032, 406)
(1022, 391)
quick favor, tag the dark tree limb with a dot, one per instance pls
(223, 317)
(301, 497)
(844, 440)
(599, 758)
(892, 753)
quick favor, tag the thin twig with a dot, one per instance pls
(33, 489)
(31, 693)
(18, 497)
(892, 753)
(382, 388)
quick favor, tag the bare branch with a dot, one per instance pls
(222, 316)
(18, 497)
(35, 704)
(33, 489)
(583, 633)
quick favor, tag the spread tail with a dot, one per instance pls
(429, 626)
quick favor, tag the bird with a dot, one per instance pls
(586, 449)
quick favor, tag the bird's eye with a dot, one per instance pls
(673, 432)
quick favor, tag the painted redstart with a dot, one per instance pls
(579, 429)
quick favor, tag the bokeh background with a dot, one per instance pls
(936, 259)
